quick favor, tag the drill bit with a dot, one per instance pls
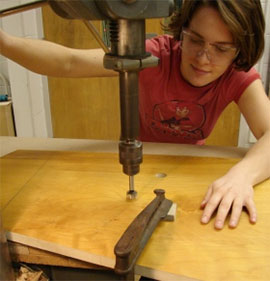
(131, 183)
(131, 194)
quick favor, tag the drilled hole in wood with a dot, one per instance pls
(160, 175)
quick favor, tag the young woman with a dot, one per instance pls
(205, 65)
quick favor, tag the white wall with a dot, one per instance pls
(264, 65)
(29, 91)
(246, 138)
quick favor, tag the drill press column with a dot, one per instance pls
(130, 149)
(128, 44)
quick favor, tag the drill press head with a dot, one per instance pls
(112, 9)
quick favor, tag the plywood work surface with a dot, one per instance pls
(74, 203)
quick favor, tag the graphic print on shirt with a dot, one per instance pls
(179, 119)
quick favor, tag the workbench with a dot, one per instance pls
(63, 203)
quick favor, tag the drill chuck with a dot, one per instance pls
(130, 156)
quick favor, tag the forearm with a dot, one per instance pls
(36, 55)
(256, 163)
(235, 189)
(51, 59)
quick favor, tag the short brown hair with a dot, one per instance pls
(244, 19)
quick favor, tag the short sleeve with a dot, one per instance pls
(159, 45)
(237, 82)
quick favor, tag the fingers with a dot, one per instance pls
(223, 211)
(250, 205)
(207, 197)
(210, 207)
(236, 213)
(223, 206)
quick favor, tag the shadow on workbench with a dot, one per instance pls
(57, 273)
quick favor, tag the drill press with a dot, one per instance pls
(126, 56)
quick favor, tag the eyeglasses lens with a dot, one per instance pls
(196, 46)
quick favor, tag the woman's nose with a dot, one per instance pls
(203, 56)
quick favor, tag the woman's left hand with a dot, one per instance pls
(230, 192)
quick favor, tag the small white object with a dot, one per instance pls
(172, 213)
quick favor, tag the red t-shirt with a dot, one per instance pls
(172, 110)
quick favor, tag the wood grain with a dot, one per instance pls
(6, 119)
(22, 253)
(80, 108)
(73, 203)
(226, 130)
